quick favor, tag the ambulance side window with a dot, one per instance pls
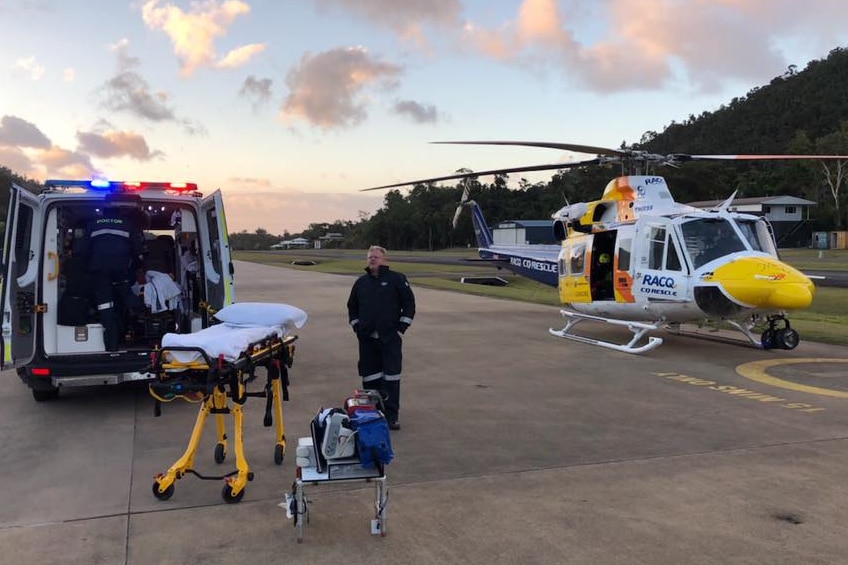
(23, 241)
(214, 240)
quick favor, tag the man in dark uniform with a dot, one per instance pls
(381, 308)
(115, 249)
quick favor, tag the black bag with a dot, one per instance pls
(73, 311)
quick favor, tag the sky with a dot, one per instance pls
(291, 107)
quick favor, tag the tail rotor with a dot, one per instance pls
(462, 202)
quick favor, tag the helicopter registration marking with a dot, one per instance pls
(739, 392)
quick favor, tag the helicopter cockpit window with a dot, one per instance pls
(577, 259)
(708, 239)
(657, 248)
(758, 235)
(672, 259)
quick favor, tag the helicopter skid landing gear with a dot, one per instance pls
(639, 329)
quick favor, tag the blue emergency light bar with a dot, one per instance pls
(103, 185)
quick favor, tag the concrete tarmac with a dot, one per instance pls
(516, 447)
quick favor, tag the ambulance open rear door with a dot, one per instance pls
(19, 292)
(217, 262)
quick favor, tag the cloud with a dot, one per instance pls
(326, 88)
(17, 160)
(651, 43)
(28, 151)
(193, 33)
(258, 90)
(129, 92)
(239, 56)
(30, 67)
(17, 132)
(404, 18)
(112, 143)
(63, 163)
(418, 112)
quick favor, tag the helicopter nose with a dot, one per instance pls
(765, 283)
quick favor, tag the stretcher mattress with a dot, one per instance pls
(241, 325)
(229, 340)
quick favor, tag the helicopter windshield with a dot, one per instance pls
(708, 239)
(758, 235)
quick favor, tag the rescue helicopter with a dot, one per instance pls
(638, 259)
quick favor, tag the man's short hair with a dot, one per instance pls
(382, 250)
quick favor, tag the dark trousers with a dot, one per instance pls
(380, 364)
(110, 289)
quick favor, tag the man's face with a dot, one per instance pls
(375, 260)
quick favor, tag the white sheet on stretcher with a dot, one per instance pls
(229, 340)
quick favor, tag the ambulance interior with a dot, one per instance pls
(166, 294)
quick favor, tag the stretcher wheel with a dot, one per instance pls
(169, 492)
(229, 497)
(220, 453)
(279, 453)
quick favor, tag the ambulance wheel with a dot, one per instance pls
(45, 394)
(786, 338)
(229, 497)
(279, 453)
(169, 492)
(220, 453)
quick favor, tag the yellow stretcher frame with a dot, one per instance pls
(214, 384)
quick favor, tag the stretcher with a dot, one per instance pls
(213, 367)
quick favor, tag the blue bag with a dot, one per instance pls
(372, 438)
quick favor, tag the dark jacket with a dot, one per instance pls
(113, 243)
(384, 303)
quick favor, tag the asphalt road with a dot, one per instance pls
(516, 447)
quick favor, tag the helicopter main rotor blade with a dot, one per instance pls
(548, 167)
(683, 158)
(550, 145)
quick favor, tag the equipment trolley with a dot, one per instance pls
(339, 470)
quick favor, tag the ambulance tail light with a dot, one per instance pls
(40, 372)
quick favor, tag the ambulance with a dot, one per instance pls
(51, 333)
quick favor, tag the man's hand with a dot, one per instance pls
(402, 327)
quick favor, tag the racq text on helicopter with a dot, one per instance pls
(638, 259)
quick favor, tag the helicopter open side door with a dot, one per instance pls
(660, 271)
(217, 261)
(19, 287)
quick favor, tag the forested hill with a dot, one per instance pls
(813, 101)
(799, 112)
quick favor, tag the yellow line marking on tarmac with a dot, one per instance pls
(758, 371)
